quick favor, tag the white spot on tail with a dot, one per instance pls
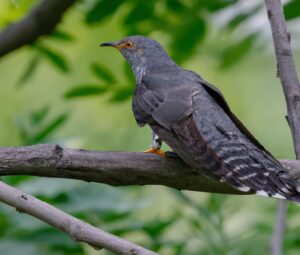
(262, 193)
(265, 194)
(279, 196)
(229, 174)
(233, 150)
(255, 165)
(285, 190)
(244, 188)
(239, 167)
(247, 176)
(228, 160)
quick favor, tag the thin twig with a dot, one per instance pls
(113, 168)
(75, 228)
(40, 21)
(277, 235)
(286, 68)
(290, 83)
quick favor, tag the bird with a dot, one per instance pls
(193, 118)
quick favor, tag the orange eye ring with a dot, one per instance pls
(129, 45)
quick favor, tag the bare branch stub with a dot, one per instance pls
(42, 20)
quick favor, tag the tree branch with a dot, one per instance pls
(75, 228)
(286, 68)
(290, 84)
(279, 228)
(40, 21)
(113, 168)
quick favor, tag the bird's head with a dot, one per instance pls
(142, 53)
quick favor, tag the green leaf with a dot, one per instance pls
(103, 73)
(112, 216)
(4, 223)
(237, 51)
(292, 9)
(16, 180)
(175, 6)
(85, 90)
(29, 71)
(155, 228)
(37, 117)
(56, 58)
(189, 34)
(215, 5)
(241, 17)
(49, 236)
(83, 199)
(141, 11)
(101, 10)
(22, 129)
(129, 75)
(202, 211)
(122, 94)
(49, 129)
(13, 247)
(61, 35)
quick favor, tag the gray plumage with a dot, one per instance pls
(193, 118)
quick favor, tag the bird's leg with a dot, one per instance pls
(156, 146)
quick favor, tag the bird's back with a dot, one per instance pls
(208, 136)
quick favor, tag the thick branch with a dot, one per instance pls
(113, 168)
(40, 21)
(75, 228)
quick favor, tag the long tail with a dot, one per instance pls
(283, 187)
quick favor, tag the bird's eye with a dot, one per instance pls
(129, 45)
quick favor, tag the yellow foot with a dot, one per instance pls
(156, 151)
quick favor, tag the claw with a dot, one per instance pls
(156, 151)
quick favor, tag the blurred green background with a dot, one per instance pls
(65, 89)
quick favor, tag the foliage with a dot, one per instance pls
(193, 226)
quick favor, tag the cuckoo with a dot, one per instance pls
(193, 118)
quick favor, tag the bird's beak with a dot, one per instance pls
(111, 44)
(118, 45)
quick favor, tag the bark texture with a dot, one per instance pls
(113, 168)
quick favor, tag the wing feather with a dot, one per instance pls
(166, 104)
(220, 100)
(247, 165)
(205, 133)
